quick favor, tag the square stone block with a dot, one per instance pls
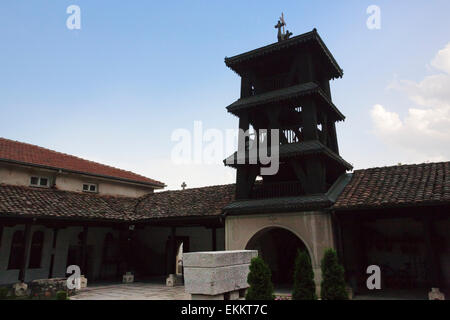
(174, 280)
(218, 272)
(435, 294)
(83, 282)
(214, 259)
(128, 278)
(20, 289)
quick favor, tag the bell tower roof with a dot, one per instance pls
(273, 53)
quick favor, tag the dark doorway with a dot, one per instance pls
(278, 247)
(109, 269)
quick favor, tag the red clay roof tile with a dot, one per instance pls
(30, 154)
(417, 184)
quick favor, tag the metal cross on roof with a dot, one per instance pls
(281, 24)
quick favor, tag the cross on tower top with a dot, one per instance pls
(281, 24)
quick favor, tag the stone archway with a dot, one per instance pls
(313, 228)
(278, 247)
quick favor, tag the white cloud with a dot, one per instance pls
(442, 59)
(385, 121)
(425, 129)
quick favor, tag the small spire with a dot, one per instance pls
(183, 185)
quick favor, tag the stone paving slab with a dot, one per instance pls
(132, 291)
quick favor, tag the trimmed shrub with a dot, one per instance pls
(61, 295)
(3, 293)
(333, 280)
(304, 286)
(259, 279)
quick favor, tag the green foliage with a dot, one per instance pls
(3, 293)
(304, 286)
(259, 279)
(61, 295)
(333, 280)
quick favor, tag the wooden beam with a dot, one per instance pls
(26, 250)
(309, 112)
(173, 250)
(52, 257)
(325, 129)
(434, 269)
(84, 250)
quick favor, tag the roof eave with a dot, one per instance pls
(232, 62)
(154, 185)
(234, 109)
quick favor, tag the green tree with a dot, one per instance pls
(333, 280)
(3, 293)
(61, 295)
(304, 286)
(259, 279)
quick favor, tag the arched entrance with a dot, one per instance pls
(278, 248)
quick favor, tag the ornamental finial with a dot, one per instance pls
(281, 24)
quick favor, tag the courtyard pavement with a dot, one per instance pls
(157, 290)
(131, 291)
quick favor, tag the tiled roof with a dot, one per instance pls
(408, 185)
(404, 185)
(39, 202)
(30, 154)
(206, 201)
(53, 203)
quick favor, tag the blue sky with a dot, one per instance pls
(115, 90)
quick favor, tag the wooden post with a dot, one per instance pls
(172, 263)
(84, 250)
(337, 231)
(26, 251)
(242, 171)
(1, 235)
(433, 257)
(124, 249)
(52, 258)
(130, 241)
(309, 113)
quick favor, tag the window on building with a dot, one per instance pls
(89, 187)
(37, 243)
(39, 181)
(17, 250)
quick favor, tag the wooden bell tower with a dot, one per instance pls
(285, 86)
